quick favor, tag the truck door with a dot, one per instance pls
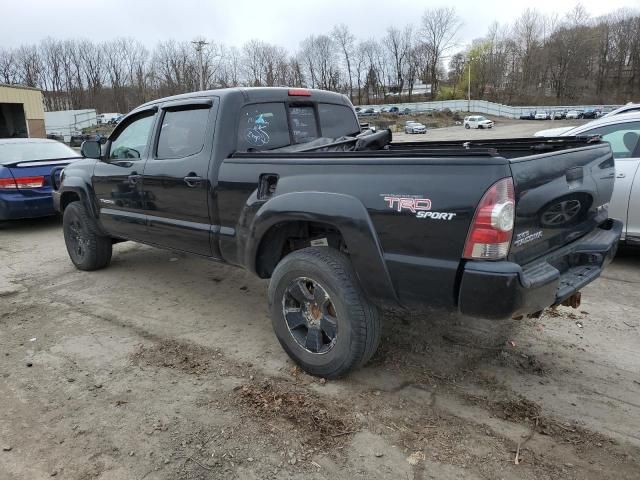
(176, 177)
(117, 181)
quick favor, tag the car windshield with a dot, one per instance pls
(28, 151)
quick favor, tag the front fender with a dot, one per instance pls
(349, 216)
(81, 187)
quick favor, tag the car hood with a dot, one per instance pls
(552, 132)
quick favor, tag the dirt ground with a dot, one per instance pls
(164, 366)
(504, 128)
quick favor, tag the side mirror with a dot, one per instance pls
(91, 149)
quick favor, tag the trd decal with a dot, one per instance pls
(415, 204)
(412, 204)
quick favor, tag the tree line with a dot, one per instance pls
(537, 59)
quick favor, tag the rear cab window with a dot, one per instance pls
(268, 126)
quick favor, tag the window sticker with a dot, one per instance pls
(257, 134)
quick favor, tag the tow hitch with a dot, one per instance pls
(573, 301)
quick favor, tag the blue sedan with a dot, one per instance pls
(26, 165)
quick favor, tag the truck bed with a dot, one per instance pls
(508, 148)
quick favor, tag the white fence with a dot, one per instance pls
(488, 108)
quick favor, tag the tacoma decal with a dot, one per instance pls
(525, 237)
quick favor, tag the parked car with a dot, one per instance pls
(591, 114)
(116, 120)
(54, 136)
(558, 114)
(628, 108)
(622, 131)
(406, 111)
(573, 114)
(26, 168)
(552, 132)
(477, 121)
(414, 127)
(394, 110)
(368, 112)
(392, 226)
(77, 139)
(531, 115)
(542, 115)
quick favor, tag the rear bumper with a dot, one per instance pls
(15, 205)
(501, 290)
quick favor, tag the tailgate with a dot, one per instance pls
(560, 197)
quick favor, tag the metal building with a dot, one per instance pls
(21, 112)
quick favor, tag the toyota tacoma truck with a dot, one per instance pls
(345, 224)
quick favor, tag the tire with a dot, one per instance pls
(348, 323)
(87, 248)
(467, 126)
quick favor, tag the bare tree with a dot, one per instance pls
(439, 29)
(345, 40)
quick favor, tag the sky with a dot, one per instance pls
(283, 22)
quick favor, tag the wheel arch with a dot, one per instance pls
(343, 214)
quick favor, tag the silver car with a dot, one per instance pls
(622, 131)
(414, 127)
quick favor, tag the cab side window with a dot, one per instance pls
(132, 141)
(623, 138)
(182, 132)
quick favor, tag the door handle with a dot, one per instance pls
(620, 175)
(134, 179)
(192, 181)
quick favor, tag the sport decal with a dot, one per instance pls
(415, 204)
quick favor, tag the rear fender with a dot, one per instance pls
(345, 213)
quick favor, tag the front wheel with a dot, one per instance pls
(467, 126)
(320, 315)
(87, 248)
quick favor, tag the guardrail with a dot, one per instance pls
(489, 108)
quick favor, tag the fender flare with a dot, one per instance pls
(349, 216)
(84, 190)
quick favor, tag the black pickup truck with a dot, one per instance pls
(345, 223)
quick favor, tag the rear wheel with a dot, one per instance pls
(319, 313)
(87, 248)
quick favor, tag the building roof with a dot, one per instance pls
(20, 87)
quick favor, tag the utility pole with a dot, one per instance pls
(199, 45)
(469, 89)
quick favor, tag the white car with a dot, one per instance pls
(622, 131)
(414, 127)
(552, 132)
(628, 108)
(573, 114)
(477, 121)
(542, 115)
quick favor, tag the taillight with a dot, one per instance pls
(7, 183)
(490, 232)
(21, 182)
(299, 92)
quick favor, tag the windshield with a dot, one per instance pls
(28, 151)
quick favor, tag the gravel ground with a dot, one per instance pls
(504, 128)
(164, 366)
